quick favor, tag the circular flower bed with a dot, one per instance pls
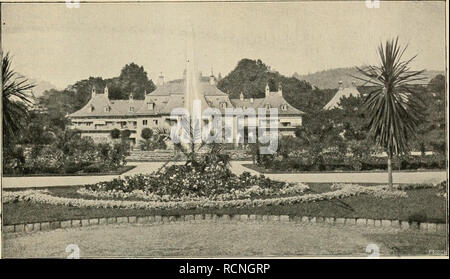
(186, 182)
(342, 191)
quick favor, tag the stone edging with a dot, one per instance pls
(159, 219)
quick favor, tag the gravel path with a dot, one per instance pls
(237, 167)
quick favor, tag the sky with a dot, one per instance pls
(60, 45)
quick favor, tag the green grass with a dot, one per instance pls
(411, 243)
(421, 202)
(221, 240)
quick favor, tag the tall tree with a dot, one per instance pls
(133, 80)
(251, 76)
(393, 108)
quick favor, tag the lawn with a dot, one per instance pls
(420, 205)
(411, 243)
(222, 239)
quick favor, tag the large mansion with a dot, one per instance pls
(101, 115)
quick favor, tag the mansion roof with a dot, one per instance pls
(171, 95)
(341, 93)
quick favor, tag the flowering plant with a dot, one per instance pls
(39, 196)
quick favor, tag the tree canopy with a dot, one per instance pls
(251, 76)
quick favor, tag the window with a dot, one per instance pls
(131, 108)
(150, 106)
(224, 105)
(144, 122)
(155, 121)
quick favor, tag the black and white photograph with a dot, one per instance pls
(224, 129)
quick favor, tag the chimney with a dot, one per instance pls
(341, 84)
(131, 97)
(93, 92)
(212, 79)
(251, 99)
(241, 96)
(267, 89)
(280, 90)
(160, 79)
(106, 92)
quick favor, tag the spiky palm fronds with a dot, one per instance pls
(16, 100)
(393, 108)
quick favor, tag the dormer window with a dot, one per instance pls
(131, 108)
(267, 106)
(92, 108)
(284, 107)
(223, 105)
(151, 106)
(107, 108)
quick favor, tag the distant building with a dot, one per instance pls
(101, 115)
(342, 92)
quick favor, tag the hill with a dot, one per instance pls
(330, 78)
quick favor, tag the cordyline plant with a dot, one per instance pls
(393, 108)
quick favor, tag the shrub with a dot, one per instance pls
(328, 161)
(125, 134)
(104, 152)
(118, 155)
(13, 159)
(72, 167)
(115, 133)
(94, 168)
(49, 160)
(146, 133)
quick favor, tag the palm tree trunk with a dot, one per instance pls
(389, 165)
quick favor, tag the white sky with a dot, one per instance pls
(54, 43)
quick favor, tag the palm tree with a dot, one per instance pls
(394, 110)
(16, 100)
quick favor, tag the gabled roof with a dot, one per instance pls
(274, 99)
(171, 95)
(179, 87)
(342, 92)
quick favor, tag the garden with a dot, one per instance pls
(205, 184)
(68, 154)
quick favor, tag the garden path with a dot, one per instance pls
(237, 167)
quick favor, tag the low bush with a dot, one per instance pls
(69, 156)
(330, 163)
(94, 168)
